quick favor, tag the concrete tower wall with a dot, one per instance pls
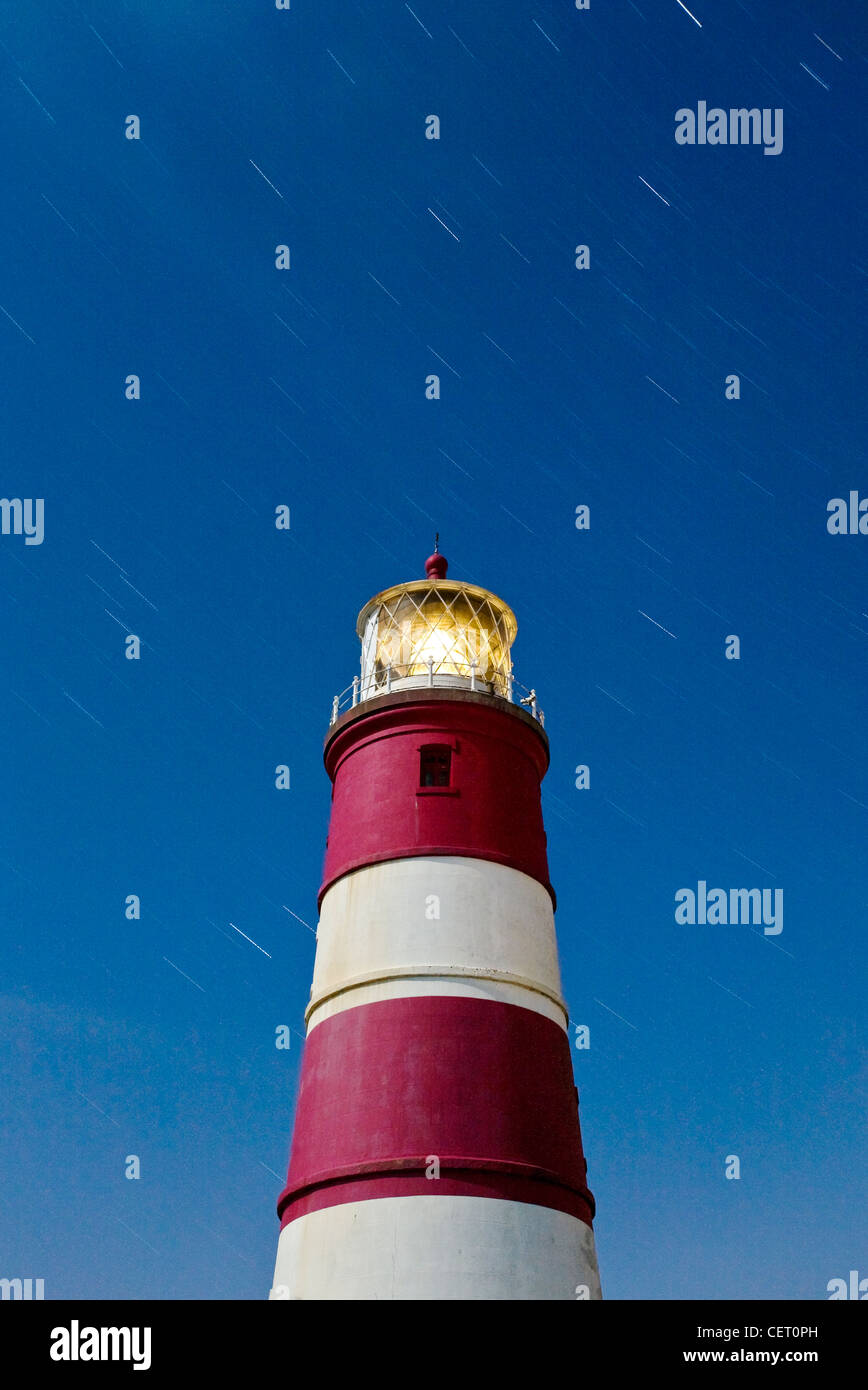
(415, 926)
(465, 1248)
(491, 809)
(436, 1152)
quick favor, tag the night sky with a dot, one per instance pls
(305, 387)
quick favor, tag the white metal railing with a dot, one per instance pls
(505, 687)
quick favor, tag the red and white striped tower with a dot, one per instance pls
(436, 1152)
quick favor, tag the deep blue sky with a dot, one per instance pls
(306, 387)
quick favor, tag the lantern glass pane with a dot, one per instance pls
(463, 632)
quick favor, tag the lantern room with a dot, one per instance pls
(436, 631)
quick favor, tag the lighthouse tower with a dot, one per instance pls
(436, 1152)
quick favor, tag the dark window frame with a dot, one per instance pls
(436, 760)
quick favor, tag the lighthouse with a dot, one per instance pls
(436, 1152)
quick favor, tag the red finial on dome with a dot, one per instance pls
(436, 565)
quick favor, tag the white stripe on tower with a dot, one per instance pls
(436, 925)
(465, 1248)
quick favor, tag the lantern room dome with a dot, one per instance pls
(436, 631)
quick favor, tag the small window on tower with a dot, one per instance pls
(434, 768)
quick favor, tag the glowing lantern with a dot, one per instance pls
(436, 630)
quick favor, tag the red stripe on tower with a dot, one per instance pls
(436, 1152)
(489, 810)
(516, 1120)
